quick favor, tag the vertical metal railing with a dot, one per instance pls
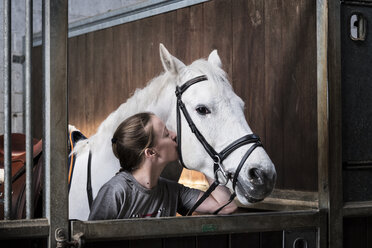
(55, 122)
(322, 110)
(55, 31)
(28, 110)
(7, 110)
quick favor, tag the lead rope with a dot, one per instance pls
(232, 197)
(206, 194)
(89, 181)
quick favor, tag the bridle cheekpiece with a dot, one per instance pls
(217, 158)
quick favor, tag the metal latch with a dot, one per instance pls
(62, 242)
(358, 27)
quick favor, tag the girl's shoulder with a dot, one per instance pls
(121, 179)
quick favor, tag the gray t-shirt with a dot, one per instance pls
(123, 197)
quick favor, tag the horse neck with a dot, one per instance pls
(156, 97)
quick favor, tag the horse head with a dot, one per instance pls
(218, 115)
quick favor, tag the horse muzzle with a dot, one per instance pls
(257, 185)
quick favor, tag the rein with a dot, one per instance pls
(217, 158)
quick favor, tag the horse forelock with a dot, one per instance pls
(213, 72)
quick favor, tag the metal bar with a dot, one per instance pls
(322, 103)
(359, 3)
(357, 209)
(7, 110)
(129, 14)
(196, 225)
(28, 92)
(124, 15)
(55, 116)
(322, 239)
(322, 117)
(335, 218)
(13, 229)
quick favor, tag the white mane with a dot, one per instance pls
(149, 95)
(141, 97)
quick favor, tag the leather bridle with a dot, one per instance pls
(217, 158)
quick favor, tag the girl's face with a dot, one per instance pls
(165, 141)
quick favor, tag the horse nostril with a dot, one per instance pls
(255, 176)
(253, 173)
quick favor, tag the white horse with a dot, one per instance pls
(224, 123)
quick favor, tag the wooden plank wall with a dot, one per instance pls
(268, 49)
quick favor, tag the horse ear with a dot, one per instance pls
(214, 59)
(170, 63)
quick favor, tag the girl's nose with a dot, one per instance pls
(173, 135)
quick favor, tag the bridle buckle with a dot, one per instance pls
(217, 161)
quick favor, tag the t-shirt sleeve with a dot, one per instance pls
(107, 203)
(186, 198)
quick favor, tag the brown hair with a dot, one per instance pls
(131, 138)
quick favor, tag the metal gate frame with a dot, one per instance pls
(55, 122)
(318, 219)
(326, 219)
(315, 219)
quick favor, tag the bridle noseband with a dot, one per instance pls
(218, 158)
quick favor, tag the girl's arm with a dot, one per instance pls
(219, 197)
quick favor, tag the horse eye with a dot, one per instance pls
(203, 110)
